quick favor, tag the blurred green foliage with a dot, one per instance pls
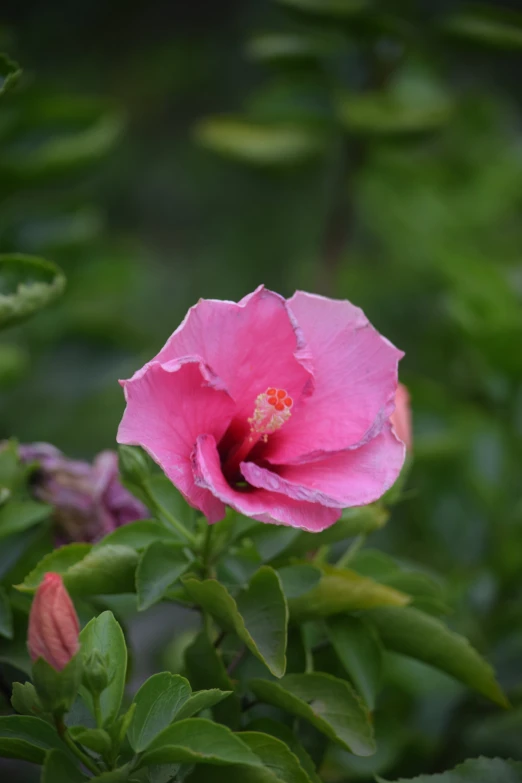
(372, 150)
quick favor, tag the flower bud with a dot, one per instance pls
(53, 624)
(94, 676)
(134, 465)
(401, 417)
(89, 500)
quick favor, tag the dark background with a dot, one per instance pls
(419, 227)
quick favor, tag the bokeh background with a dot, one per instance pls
(372, 150)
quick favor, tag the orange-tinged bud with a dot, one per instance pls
(53, 624)
(401, 416)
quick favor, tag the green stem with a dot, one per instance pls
(321, 556)
(73, 747)
(97, 710)
(207, 625)
(176, 525)
(207, 551)
(236, 661)
(352, 550)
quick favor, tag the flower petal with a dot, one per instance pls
(258, 504)
(168, 406)
(251, 345)
(354, 477)
(355, 375)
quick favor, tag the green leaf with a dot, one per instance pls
(157, 702)
(341, 590)
(203, 700)
(19, 515)
(336, 8)
(198, 741)
(137, 535)
(426, 592)
(120, 727)
(27, 738)
(161, 495)
(276, 757)
(354, 522)
(87, 570)
(391, 112)
(10, 73)
(107, 570)
(282, 732)
(165, 773)
(6, 615)
(271, 540)
(236, 774)
(205, 669)
(58, 768)
(280, 765)
(120, 775)
(292, 46)
(95, 739)
(486, 25)
(414, 633)
(327, 703)
(59, 561)
(299, 580)
(414, 101)
(10, 467)
(260, 143)
(160, 567)
(104, 634)
(375, 564)
(14, 651)
(479, 770)
(73, 132)
(259, 617)
(359, 649)
(27, 284)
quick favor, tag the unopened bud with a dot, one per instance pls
(401, 416)
(94, 676)
(53, 643)
(53, 624)
(134, 466)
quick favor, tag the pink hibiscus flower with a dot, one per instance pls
(278, 408)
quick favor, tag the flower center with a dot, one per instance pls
(271, 411)
(273, 408)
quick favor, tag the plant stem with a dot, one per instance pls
(236, 660)
(352, 550)
(321, 556)
(73, 747)
(207, 625)
(338, 218)
(207, 551)
(97, 710)
(181, 529)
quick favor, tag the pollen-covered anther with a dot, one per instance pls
(271, 411)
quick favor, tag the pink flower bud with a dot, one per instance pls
(401, 417)
(53, 624)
